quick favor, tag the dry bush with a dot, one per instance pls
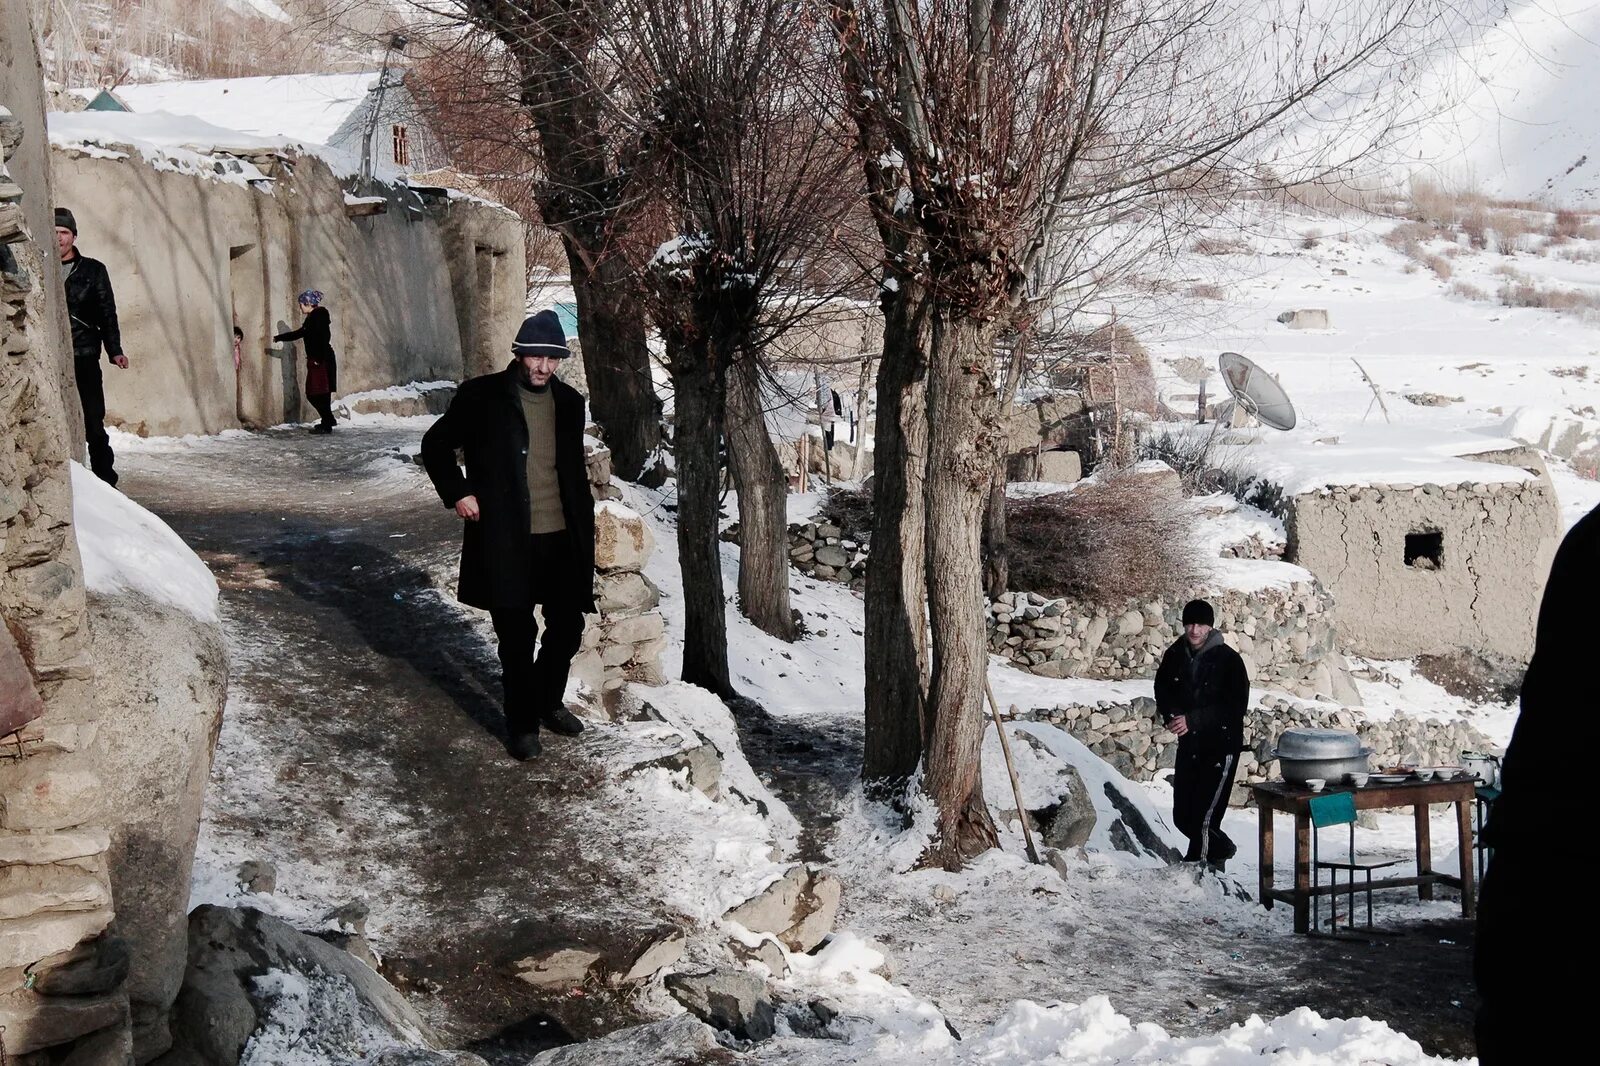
(1209, 245)
(1567, 225)
(1590, 231)
(1207, 290)
(1310, 239)
(1468, 291)
(1440, 266)
(1509, 228)
(1430, 201)
(850, 510)
(1521, 291)
(1331, 196)
(1106, 543)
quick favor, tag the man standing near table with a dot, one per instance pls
(1201, 693)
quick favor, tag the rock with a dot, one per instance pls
(1130, 623)
(1132, 833)
(622, 540)
(350, 917)
(1306, 318)
(162, 709)
(410, 1056)
(616, 593)
(558, 968)
(647, 954)
(67, 1019)
(225, 996)
(828, 555)
(702, 762)
(637, 629)
(19, 699)
(768, 953)
(799, 908)
(684, 1038)
(258, 875)
(36, 849)
(735, 1001)
(1070, 822)
(91, 968)
(38, 797)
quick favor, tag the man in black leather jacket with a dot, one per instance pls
(1202, 691)
(93, 310)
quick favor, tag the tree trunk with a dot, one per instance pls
(896, 597)
(697, 380)
(763, 508)
(616, 362)
(858, 463)
(963, 441)
(996, 549)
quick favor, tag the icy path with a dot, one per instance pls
(360, 748)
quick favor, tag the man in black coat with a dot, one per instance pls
(529, 536)
(93, 310)
(1532, 1007)
(1202, 690)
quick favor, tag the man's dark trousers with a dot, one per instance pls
(534, 686)
(92, 395)
(1201, 787)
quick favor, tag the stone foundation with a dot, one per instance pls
(1131, 738)
(1284, 633)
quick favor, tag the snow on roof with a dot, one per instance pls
(306, 107)
(166, 142)
(1309, 461)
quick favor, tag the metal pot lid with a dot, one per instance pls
(1318, 744)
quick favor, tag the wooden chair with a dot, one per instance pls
(1339, 808)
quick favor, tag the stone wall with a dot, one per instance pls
(55, 887)
(622, 642)
(429, 289)
(822, 550)
(1494, 544)
(1131, 738)
(1285, 633)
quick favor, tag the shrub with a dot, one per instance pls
(1568, 224)
(1209, 245)
(1108, 542)
(1207, 291)
(850, 510)
(1468, 291)
(1439, 265)
(1205, 464)
(1310, 239)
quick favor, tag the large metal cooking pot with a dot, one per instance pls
(1328, 754)
(1486, 768)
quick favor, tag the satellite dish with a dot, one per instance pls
(1255, 391)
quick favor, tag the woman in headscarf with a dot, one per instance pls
(322, 368)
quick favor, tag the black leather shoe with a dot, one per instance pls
(524, 746)
(560, 720)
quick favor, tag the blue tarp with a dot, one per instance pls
(568, 313)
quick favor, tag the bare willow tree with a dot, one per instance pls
(752, 177)
(586, 192)
(1007, 121)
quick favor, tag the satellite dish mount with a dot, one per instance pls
(1255, 392)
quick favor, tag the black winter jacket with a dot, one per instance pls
(93, 308)
(317, 333)
(1211, 689)
(486, 422)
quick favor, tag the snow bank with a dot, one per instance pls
(126, 547)
(179, 143)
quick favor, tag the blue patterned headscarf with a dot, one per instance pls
(310, 296)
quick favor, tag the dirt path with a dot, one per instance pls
(363, 747)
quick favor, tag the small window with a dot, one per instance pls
(1425, 551)
(402, 147)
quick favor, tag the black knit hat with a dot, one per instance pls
(1199, 613)
(64, 220)
(541, 335)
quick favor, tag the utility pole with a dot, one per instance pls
(397, 44)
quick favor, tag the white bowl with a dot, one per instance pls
(1424, 773)
(1316, 784)
(1358, 780)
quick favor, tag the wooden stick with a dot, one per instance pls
(1016, 789)
(1373, 385)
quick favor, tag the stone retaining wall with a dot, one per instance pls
(1284, 633)
(1131, 738)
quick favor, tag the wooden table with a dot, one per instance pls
(1274, 796)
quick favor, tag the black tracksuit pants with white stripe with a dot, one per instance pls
(1200, 791)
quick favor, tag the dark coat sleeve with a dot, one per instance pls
(439, 446)
(1168, 681)
(110, 330)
